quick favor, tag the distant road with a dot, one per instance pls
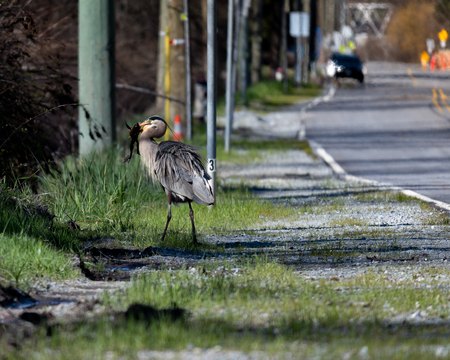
(395, 128)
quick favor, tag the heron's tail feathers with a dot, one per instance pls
(203, 193)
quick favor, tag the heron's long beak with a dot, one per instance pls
(143, 124)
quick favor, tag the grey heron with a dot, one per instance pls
(178, 167)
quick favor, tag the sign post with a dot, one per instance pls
(430, 45)
(211, 91)
(443, 35)
(298, 27)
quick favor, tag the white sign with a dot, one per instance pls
(430, 45)
(347, 32)
(298, 24)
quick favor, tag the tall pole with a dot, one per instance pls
(257, 9)
(187, 54)
(298, 61)
(244, 50)
(237, 30)
(211, 91)
(284, 11)
(167, 79)
(343, 10)
(161, 75)
(237, 16)
(177, 62)
(229, 92)
(298, 55)
(312, 33)
(96, 74)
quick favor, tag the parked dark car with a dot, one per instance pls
(349, 66)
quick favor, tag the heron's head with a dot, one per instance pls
(155, 126)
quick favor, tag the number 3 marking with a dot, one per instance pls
(211, 165)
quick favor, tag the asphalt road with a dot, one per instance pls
(395, 128)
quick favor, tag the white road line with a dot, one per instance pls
(327, 97)
(330, 161)
(342, 173)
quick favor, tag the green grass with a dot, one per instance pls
(109, 199)
(349, 222)
(100, 191)
(384, 196)
(263, 307)
(268, 95)
(246, 151)
(441, 219)
(24, 258)
(31, 245)
(103, 194)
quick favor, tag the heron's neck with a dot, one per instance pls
(148, 149)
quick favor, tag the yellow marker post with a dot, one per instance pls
(167, 82)
(435, 101)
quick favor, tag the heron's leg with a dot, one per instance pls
(169, 215)
(191, 214)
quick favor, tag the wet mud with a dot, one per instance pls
(13, 298)
(121, 264)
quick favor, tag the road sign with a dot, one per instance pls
(430, 45)
(424, 58)
(443, 35)
(298, 24)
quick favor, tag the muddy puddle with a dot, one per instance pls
(13, 298)
(121, 264)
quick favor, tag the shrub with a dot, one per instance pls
(30, 85)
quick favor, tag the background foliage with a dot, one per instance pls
(31, 82)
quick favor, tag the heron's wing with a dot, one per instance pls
(179, 168)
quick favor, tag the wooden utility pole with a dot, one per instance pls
(187, 62)
(305, 43)
(256, 38)
(160, 81)
(96, 65)
(177, 68)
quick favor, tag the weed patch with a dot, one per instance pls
(263, 306)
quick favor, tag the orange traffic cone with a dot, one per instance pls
(433, 62)
(178, 129)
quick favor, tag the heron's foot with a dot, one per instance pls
(127, 159)
(196, 243)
